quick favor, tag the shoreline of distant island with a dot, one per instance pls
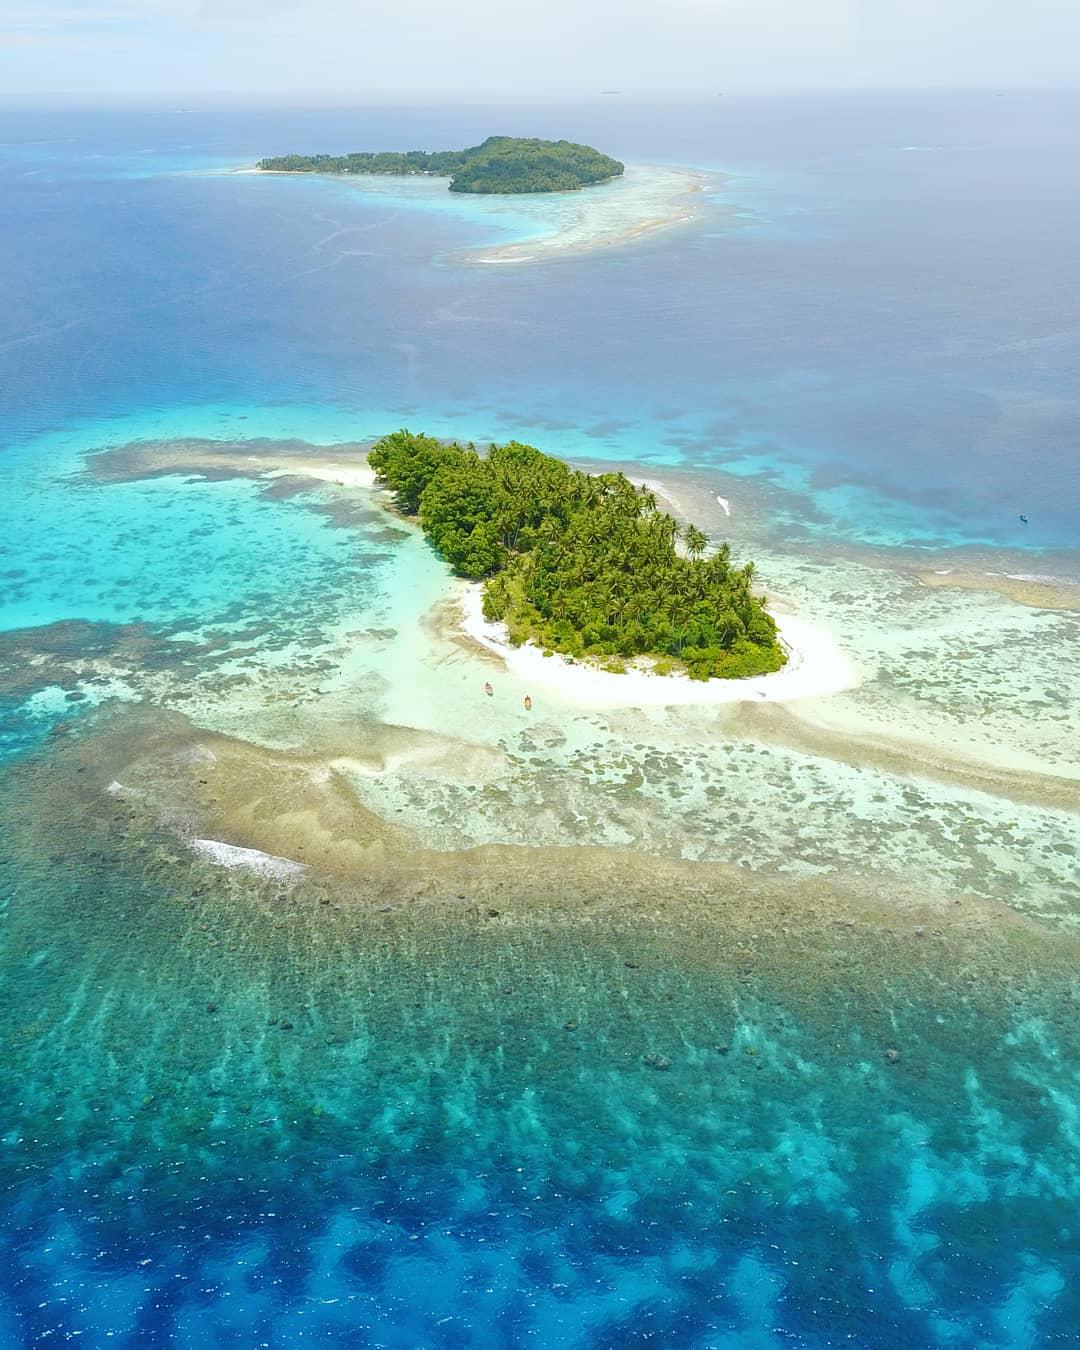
(500, 166)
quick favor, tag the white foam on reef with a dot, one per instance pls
(816, 666)
(253, 859)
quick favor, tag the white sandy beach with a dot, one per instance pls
(330, 471)
(816, 666)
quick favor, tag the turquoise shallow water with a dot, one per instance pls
(579, 1100)
(245, 1115)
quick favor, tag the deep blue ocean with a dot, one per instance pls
(894, 308)
(219, 1128)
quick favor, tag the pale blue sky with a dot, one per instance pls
(575, 46)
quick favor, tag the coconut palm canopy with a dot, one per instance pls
(583, 564)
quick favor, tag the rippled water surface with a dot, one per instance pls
(740, 1026)
(494, 1110)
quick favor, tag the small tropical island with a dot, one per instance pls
(501, 164)
(582, 564)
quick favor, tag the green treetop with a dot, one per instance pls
(501, 164)
(582, 564)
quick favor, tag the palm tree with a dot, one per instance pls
(696, 542)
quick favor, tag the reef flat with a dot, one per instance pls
(292, 905)
(937, 763)
(645, 201)
(779, 1057)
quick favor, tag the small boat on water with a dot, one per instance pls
(1023, 518)
(488, 689)
(528, 702)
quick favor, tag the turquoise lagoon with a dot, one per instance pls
(575, 1029)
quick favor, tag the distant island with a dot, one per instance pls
(502, 164)
(582, 564)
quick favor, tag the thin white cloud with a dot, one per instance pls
(426, 46)
(51, 17)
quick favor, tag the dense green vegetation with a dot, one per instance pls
(502, 164)
(584, 564)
